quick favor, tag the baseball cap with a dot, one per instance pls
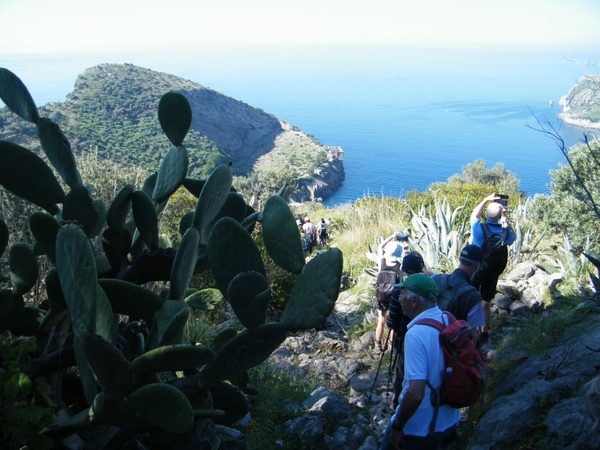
(412, 263)
(472, 253)
(420, 284)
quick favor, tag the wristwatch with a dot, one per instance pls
(396, 428)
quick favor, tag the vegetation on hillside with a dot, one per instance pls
(583, 100)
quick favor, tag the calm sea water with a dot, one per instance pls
(404, 117)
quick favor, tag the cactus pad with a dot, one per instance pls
(281, 235)
(316, 290)
(15, 95)
(23, 268)
(249, 294)
(173, 358)
(58, 150)
(145, 218)
(164, 406)
(19, 167)
(242, 352)
(175, 116)
(231, 250)
(171, 174)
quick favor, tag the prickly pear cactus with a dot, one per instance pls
(126, 340)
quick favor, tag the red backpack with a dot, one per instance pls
(464, 378)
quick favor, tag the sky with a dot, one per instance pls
(34, 26)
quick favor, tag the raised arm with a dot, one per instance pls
(383, 243)
(481, 206)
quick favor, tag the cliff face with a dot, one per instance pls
(581, 105)
(328, 179)
(239, 130)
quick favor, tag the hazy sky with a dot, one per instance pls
(109, 25)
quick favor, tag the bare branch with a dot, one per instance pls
(548, 130)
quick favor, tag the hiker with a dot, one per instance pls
(309, 231)
(322, 232)
(389, 254)
(396, 321)
(493, 237)
(423, 362)
(413, 263)
(458, 295)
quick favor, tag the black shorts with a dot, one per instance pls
(485, 281)
(382, 306)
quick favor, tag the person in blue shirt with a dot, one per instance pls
(496, 225)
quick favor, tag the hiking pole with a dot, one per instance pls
(392, 366)
(379, 366)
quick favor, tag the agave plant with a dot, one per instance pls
(440, 237)
(121, 342)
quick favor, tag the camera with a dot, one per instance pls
(503, 200)
(402, 238)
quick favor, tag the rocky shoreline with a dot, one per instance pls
(584, 123)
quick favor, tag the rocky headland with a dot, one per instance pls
(112, 111)
(581, 105)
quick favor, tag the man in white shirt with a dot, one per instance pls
(423, 363)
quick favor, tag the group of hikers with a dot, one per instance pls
(312, 234)
(422, 308)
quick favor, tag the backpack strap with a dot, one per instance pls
(487, 233)
(435, 393)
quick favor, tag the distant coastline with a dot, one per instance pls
(584, 123)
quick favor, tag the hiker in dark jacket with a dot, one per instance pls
(462, 299)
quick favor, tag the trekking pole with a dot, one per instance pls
(392, 366)
(379, 366)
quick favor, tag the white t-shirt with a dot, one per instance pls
(424, 360)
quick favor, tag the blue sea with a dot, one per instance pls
(405, 117)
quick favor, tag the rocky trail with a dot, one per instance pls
(354, 398)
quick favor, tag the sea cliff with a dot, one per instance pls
(581, 105)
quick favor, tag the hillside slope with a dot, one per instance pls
(581, 105)
(112, 110)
